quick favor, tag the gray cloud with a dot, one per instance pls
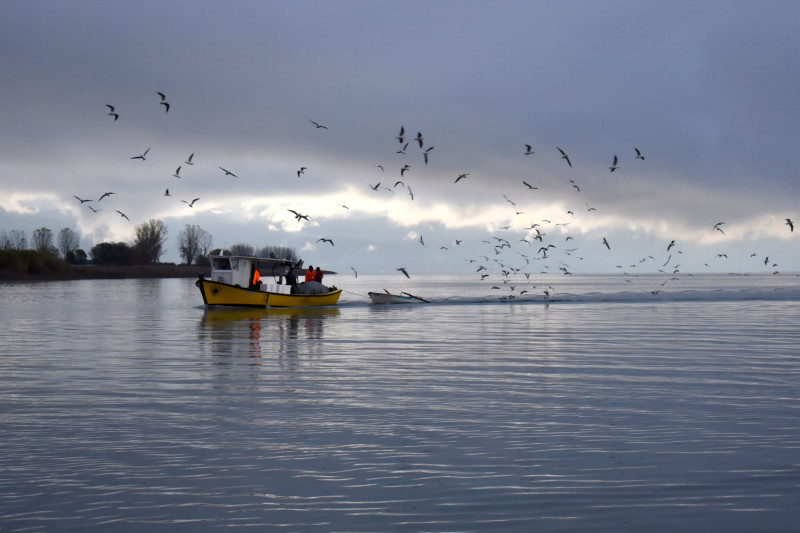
(704, 90)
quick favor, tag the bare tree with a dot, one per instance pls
(150, 239)
(67, 241)
(17, 240)
(278, 252)
(205, 243)
(43, 241)
(193, 241)
(242, 249)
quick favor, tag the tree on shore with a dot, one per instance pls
(278, 252)
(111, 252)
(13, 240)
(43, 241)
(67, 242)
(242, 249)
(150, 239)
(193, 241)
(77, 257)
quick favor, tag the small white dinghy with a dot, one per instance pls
(388, 298)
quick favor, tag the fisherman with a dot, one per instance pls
(318, 275)
(291, 278)
(256, 279)
(310, 273)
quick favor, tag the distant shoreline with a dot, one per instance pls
(76, 272)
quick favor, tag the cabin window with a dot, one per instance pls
(234, 264)
(221, 264)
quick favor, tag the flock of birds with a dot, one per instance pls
(112, 112)
(545, 245)
(510, 262)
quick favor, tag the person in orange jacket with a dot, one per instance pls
(310, 273)
(318, 275)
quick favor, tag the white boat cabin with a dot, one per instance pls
(239, 270)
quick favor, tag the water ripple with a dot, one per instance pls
(149, 412)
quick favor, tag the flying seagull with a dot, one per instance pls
(190, 204)
(401, 137)
(425, 154)
(528, 150)
(297, 215)
(318, 125)
(301, 171)
(375, 187)
(403, 149)
(460, 177)
(639, 154)
(228, 172)
(404, 170)
(93, 209)
(717, 227)
(565, 156)
(104, 195)
(528, 185)
(142, 156)
(614, 165)
(403, 270)
(670, 245)
(354, 271)
(123, 215)
(163, 101)
(606, 243)
(419, 138)
(788, 223)
(81, 200)
(323, 239)
(421, 241)
(189, 160)
(177, 173)
(166, 193)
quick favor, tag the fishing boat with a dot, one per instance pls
(236, 281)
(388, 298)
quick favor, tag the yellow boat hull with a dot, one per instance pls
(303, 300)
(221, 294)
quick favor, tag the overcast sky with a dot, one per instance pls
(707, 91)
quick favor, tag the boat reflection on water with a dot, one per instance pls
(255, 332)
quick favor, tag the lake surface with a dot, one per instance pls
(612, 403)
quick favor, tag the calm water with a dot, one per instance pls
(623, 404)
